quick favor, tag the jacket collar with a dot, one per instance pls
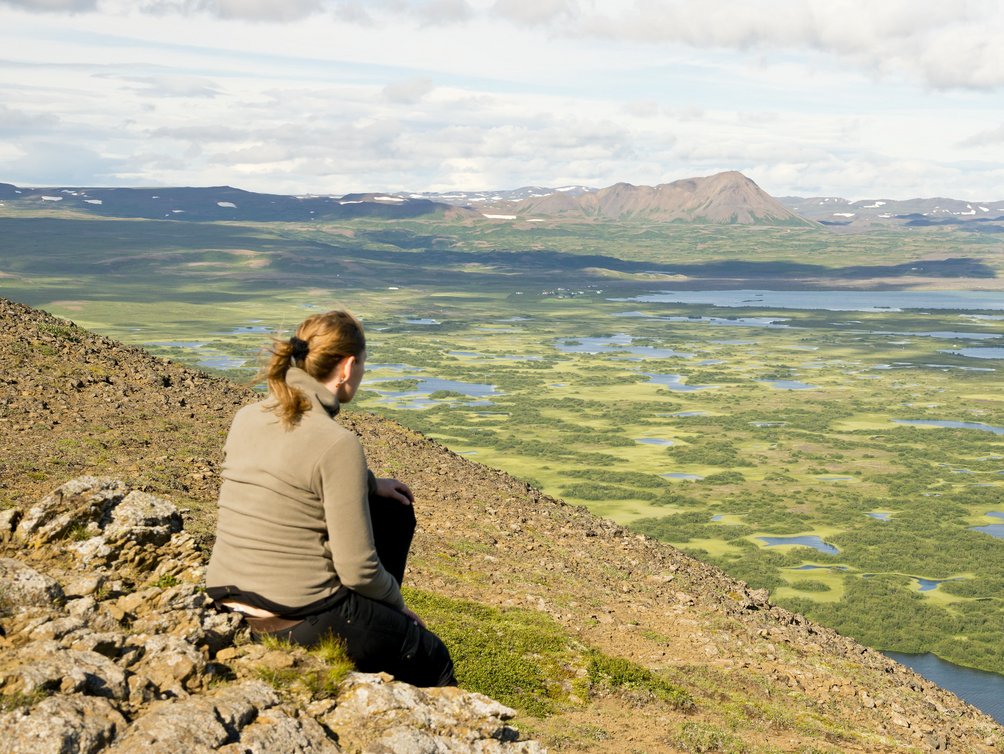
(316, 392)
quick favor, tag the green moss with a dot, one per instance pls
(617, 673)
(520, 657)
(19, 700)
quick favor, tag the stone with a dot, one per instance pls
(45, 667)
(276, 732)
(196, 724)
(170, 662)
(73, 505)
(22, 586)
(376, 715)
(144, 519)
(60, 724)
(8, 520)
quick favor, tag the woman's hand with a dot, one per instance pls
(395, 490)
(411, 614)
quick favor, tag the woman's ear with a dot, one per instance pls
(344, 369)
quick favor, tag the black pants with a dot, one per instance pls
(377, 636)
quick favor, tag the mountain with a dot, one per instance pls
(729, 198)
(833, 211)
(603, 640)
(221, 203)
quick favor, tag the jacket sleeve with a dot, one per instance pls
(344, 483)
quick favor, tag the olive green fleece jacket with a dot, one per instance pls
(294, 520)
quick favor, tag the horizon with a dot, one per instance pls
(416, 192)
(328, 97)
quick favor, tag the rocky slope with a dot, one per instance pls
(114, 590)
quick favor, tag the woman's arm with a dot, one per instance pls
(344, 490)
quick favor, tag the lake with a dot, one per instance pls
(830, 300)
(675, 382)
(804, 540)
(978, 687)
(951, 424)
(789, 385)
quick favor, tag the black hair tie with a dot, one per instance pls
(300, 348)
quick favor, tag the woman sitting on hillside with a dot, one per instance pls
(309, 543)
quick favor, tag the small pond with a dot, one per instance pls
(831, 300)
(820, 568)
(675, 382)
(394, 367)
(418, 398)
(619, 343)
(927, 585)
(653, 441)
(495, 356)
(881, 516)
(789, 385)
(681, 475)
(422, 321)
(994, 530)
(951, 424)
(222, 362)
(979, 353)
(176, 343)
(805, 541)
(942, 334)
(727, 321)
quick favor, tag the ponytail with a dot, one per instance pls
(320, 343)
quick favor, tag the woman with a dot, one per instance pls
(308, 542)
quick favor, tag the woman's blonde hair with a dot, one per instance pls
(319, 344)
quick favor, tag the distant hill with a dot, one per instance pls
(981, 216)
(729, 198)
(724, 198)
(221, 203)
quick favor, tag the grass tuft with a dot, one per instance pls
(317, 671)
(615, 673)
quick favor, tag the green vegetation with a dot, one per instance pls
(585, 401)
(616, 673)
(527, 661)
(318, 671)
(520, 657)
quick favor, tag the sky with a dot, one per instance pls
(854, 98)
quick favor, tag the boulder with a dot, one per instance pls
(22, 586)
(62, 724)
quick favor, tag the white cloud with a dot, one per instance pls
(535, 12)
(170, 86)
(985, 138)
(408, 91)
(53, 6)
(327, 97)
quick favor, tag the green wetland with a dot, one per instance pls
(819, 415)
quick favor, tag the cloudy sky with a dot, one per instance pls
(853, 98)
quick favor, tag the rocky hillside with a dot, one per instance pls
(105, 631)
(728, 197)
